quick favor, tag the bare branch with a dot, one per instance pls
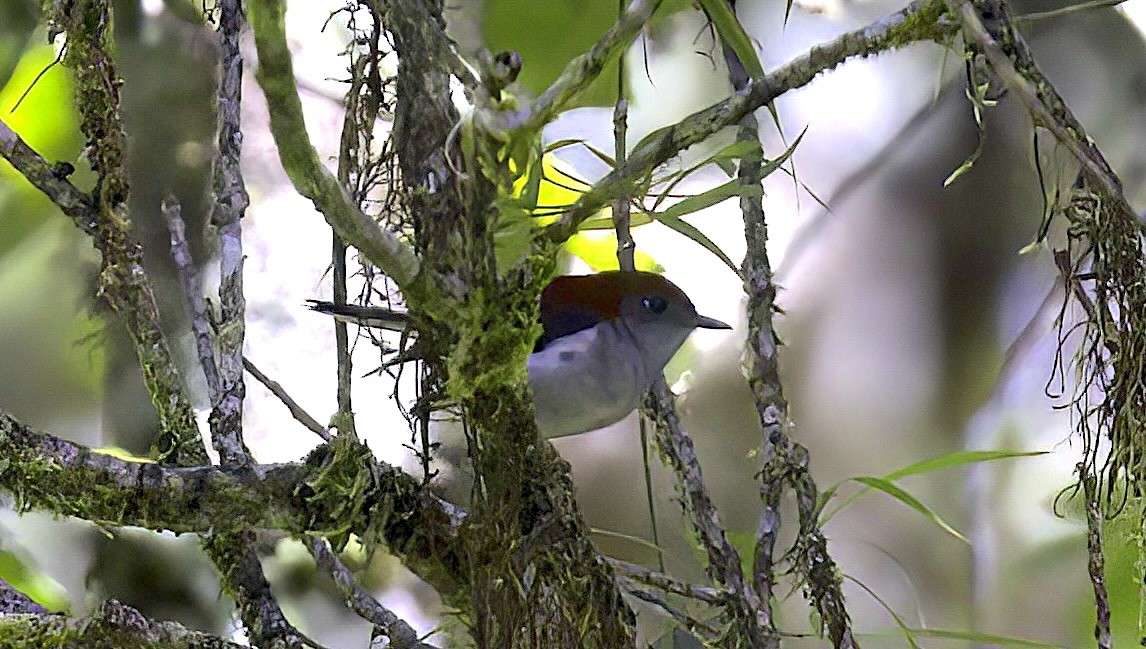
(1096, 564)
(296, 411)
(193, 300)
(360, 600)
(744, 607)
(661, 581)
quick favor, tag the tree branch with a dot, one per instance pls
(724, 567)
(300, 161)
(360, 600)
(585, 69)
(114, 625)
(123, 282)
(339, 489)
(922, 20)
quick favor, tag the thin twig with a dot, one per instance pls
(360, 600)
(678, 614)
(196, 306)
(919, 21)
(296, 411)
(724, 564)
(585, 69)
(987, 24)
(660, 580)
(1067, 10)
(1096, 563)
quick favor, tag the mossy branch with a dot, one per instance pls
(339, 490)
(114, 625)
(123, 282)
(582, 71)
(300, 161)
(922, 20)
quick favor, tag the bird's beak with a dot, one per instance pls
(705, 322)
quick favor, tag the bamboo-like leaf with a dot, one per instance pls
(700, 201)
(733, 35)
(976, 638)
(725, 156)
(907, 631)
(690, 231)
(603, 220)
(900, 494)
(957, 458)
(945, 461)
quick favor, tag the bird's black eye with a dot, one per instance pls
(654, 303)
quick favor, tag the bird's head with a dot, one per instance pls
(656, 313)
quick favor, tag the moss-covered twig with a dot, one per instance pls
(46, 473)
(922, 20)
(123, 282)
(988, 25)
(300, 161)
(114, 625)
(582, 71)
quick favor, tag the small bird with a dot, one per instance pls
(605, 340)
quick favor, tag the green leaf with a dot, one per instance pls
(723, 158)
(603, 220)
(700, 201)
(984, 638)
(897, 492)
(906, 630)
(690, 231)
(733, 35)
(957, 458)
(945, 461)
(41, 588)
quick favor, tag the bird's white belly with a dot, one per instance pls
(580, 384)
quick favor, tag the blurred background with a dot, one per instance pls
(913, 326)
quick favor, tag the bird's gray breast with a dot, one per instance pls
(585, 381)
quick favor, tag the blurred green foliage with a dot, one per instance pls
(40, 111)
(550, 34)
(45, 591)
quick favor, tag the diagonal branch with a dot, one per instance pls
(360, 600)
(744, 606)
(300, 160)
(582, 71)
(922, 20)
(987, 24)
